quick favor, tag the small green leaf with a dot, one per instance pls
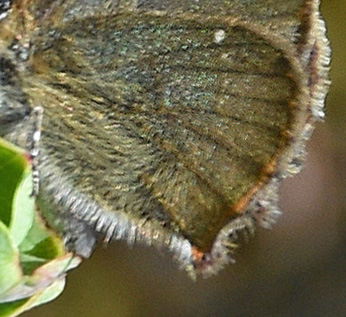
(12, 165)
(10, 270)
(33, 259)
(42, 242)
(50, 293)
(22, 215)
(41, 279)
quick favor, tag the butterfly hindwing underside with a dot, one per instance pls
(170, 122)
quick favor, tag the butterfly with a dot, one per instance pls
(166, 122)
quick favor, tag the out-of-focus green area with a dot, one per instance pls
(296, 269)
(32, 257)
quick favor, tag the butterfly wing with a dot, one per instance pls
(163, 119)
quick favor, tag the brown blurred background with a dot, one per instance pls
(296, 269)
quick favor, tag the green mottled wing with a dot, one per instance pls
(166, 115)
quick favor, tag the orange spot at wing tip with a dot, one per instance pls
(197, 255)
(201, 260)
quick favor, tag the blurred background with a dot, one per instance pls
(296, 269)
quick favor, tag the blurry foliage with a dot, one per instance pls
(32, 258)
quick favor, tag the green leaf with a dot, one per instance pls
(33, 259)
(12, 165)
(42, 242)
(42, 278)
(22, 215)
(10, 270)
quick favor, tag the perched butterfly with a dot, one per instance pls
(168, 122)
